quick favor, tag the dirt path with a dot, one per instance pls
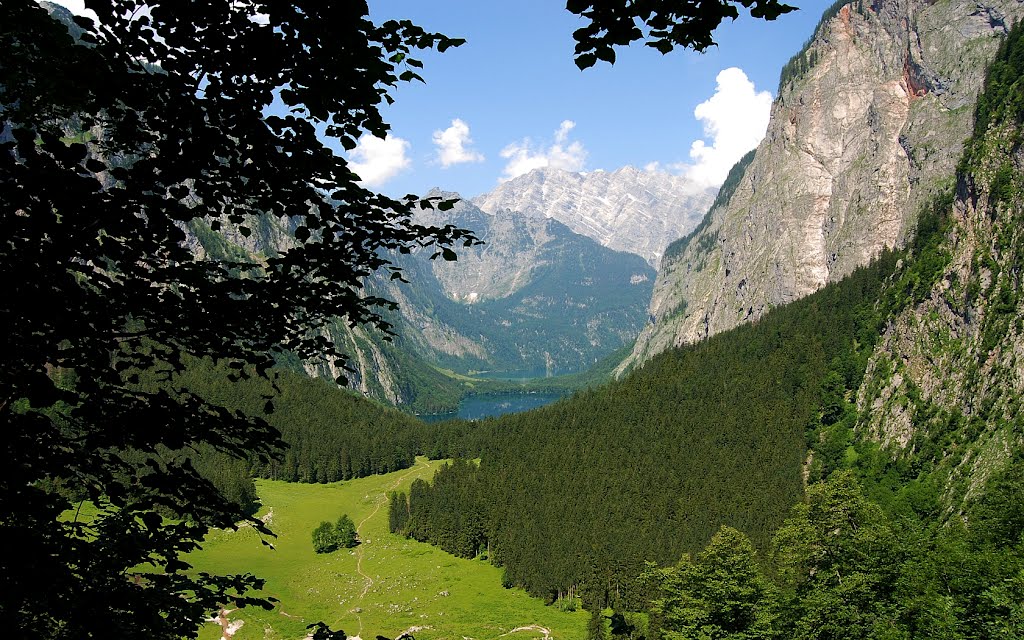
(530, 627)
(368, 581)
(381, 501)
(228, 629)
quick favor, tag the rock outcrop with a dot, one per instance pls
(869, 123)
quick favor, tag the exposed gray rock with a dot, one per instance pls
(504, 264)
(948, 370)
(627, 209)
(856, 143)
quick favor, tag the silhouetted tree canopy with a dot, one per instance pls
(662, 24)
(112, 146)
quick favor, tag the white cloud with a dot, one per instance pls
(735, 119)
(563, 131)
(377, 160)
(246, 6)
(523, 157)
(453, 145)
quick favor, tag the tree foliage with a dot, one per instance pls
(323, 538)
(345, 532)
(723, 594)
(843, 568)
(448, 513)
(328, 537)
(110, 146)
(840, 555)
(332, 434)
(662, 24)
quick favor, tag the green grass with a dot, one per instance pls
(404, 579)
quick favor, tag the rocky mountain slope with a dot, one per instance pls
(944, 386)
(536, 299)
(627, 209)
(868, 125)
(535, 296)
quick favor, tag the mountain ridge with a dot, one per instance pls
(534, 275)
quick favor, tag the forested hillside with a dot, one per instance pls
(841, 566)
(577, 495)
(331, 434)
(912, 526)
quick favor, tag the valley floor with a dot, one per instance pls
(385, 586)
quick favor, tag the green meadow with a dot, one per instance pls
(386, 585)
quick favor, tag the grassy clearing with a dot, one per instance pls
(385, 586)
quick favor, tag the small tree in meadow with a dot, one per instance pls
(345, 532)
(324, 539)
(329, 537)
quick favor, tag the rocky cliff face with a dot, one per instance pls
(869, 123)
(945, 384)
(507, 261)
(627, 209)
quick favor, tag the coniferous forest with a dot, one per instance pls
(332, 435)
(579, 494)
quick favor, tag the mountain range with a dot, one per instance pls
(533, 297)
(534, 300)
(627, 209)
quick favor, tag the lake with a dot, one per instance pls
(495, 404)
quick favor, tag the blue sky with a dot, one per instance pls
(511, 99)
(515, 80)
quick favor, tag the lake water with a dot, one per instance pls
(495, 404)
